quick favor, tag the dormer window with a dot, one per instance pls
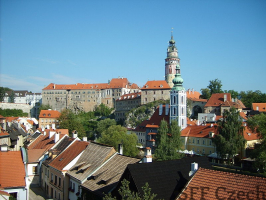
(44, 115)
(49, 115)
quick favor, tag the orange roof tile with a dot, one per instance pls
(193, 94)
(12, 170)
(1, 117)
(249, 135)
(198, 131)
(68, 155)
(3, 132)
(243, 115)
(210, 184)
(129, 96)
(10, 119)
(49, 114)
(218, 99)
(35, 154)
(159, 85)
(152, 126)
(261, 107)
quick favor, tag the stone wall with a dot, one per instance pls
(24, 107)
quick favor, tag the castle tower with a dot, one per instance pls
(171, 61)
(178, 100)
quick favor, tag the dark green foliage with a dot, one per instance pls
(12, 97)
(168, 141)
(205, 93)
(127, 194)
(2, 92)
(230, 140)
(215, 86)
(103, 125)
(258, 124)
(117, 134)
(44, 107)
(250, 97)
(12, 113)
(103, 110)
(234, 94)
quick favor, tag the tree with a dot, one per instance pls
(257, 123)
(68, 120)
(230, 140)
(12, 97)
(44, 107)
(205, 93)
(234, 94)
(127, 194)
(117, 134)
(103, 110)
(250, 97)
(2, 94)
(215, 86)
(168, 142)
(104, 124)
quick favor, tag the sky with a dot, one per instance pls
(89, 41)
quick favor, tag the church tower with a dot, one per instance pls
(171, 61)
(178, 100)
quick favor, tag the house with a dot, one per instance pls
(165, 178)
(222, 101)
(260, 107)
(125, 103)
(195, 103)
(57, 186)
(210, 184)
(104, 180)
(49, 118)
(13, 176)
(85, 97)
(155, 90)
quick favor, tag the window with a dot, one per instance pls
(55, 194)
(52, 177)
(73, 187)
(55, 180)
(203, 142)
(210, 142)
(59, 181)
(34, 169)
(197, 141)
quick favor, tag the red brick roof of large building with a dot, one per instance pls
(35, 154)
(223, 99)
(3, 132)
(129, 96)
(261, 107)
(193, 94)
(12, 170)
(68, 155)
(211, 184)
(10, 119)
(114, 83)
(198, 131)
(156, 85)
(49, 114)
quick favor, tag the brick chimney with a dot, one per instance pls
(194, 168)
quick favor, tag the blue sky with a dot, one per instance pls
(75, 41)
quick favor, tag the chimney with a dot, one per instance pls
(53, 126)
(194, 168)
(51, 133)
(120, 149)
(257, 107)
(211, 125)
(74, 134)
(56, 137)
(147, 156)
(84, 138)
(42, 129)
(225, 97)
(47, 126)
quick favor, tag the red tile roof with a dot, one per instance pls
(129, 96)
(35, 154)
(243, 115)
(10, 119)
(68, 155)
(49, 114)
(3, 132)
(12, 170)
(219, 100)
(114, 83)
(1, 117)
(249, 135)
(261, 107)
(159, 85)
(210, 184)
(198, 131)
(193, 94)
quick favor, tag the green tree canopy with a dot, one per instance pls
(257, 123)
(205, 93)
(68, 120)
(117, 134)
(12, 97)
(250, 97)
(2, 92)
(13, 113)
(215, 86)
(104, 125)
(234, 94)
(230, 140)
(168, 141)
(103, 110)
(44, 107)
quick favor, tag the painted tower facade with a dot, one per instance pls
(178, 100)
(171, 61)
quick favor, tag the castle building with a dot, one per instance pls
(171, 61)
(178, 100)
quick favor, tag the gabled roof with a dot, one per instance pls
(49, 114)
(261, 107)
(10, 119)
(93, 157)
(156, 85)
(35, 154)
(198, 131)
(156, 118)
(165, 178)
(249, 135)
(107, 177)
(224, 185)
(68, 155)
(193, 94)
(12, 170)
(3, 133)
(225, 100)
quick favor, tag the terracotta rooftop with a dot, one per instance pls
(261, 107)
(223, 99)
(49, 114)
(35, 154)
(3, 132)
(198, 131)
(193, 94)
(114, 83)
(249, 135)
(152, 85)
(10, 119)
(68, 155)
(12, 170)
(129, 96)
(210, 184)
